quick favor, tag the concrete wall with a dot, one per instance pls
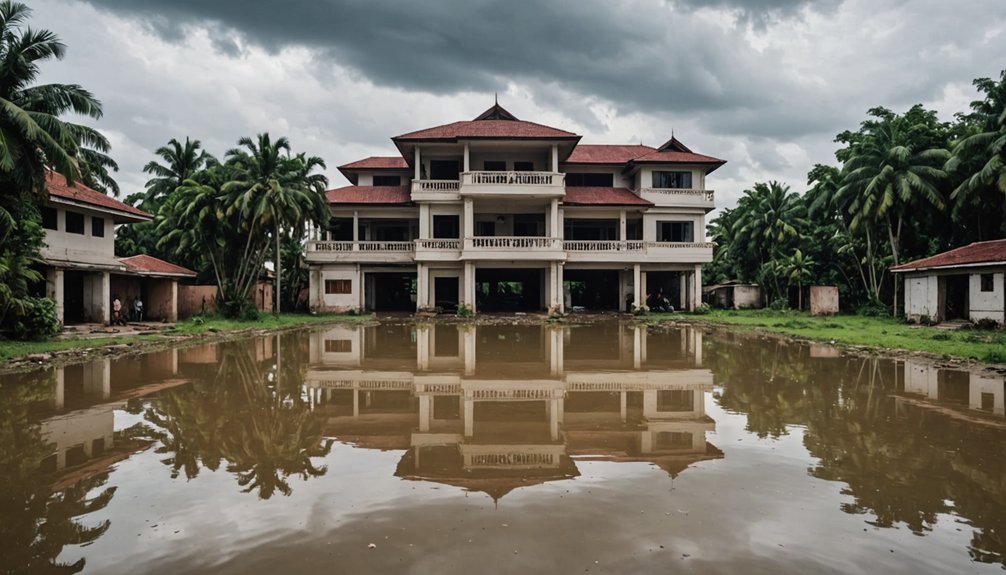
(323, 302)
(97, 297)
(194, 300)
(162, 297)
(823, 300)
(921, 296)
(747, 297)
(84, 247)
(987, 304)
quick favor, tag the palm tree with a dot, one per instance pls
(772, 219)
(276, 190)
(798, 269)
(981, 156)
(181, 162)
(33, 138)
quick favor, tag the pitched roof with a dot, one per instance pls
(675, 157)
(369, 195)
(149, 265)
(487, 129)
(607, 153)
(58, 187)
(377, 163)
(978, 253)
(597, 196)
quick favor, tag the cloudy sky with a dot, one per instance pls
(764, 84)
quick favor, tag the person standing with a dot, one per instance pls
(137, 309)
(116, 311)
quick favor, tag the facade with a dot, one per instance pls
(965, 283)
(82, 273)
(504, 215)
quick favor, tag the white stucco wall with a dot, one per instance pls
(339, 302)
(921, 296)
(650, 219)
(83, 248)
(986, 304)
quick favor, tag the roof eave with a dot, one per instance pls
(902, 269)
(120, 217)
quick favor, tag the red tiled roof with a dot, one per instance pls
(57, 186)
(977, 253)
(377, 163)
(145, 264)
(607, 153)
(674, 157)
(487, 129)
(590, 196)
(369, 195)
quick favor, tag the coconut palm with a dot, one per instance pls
(181, 162)
(797, 269)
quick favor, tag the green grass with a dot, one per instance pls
(886, 333)
(191, 327)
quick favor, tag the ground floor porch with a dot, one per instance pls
(504, 286)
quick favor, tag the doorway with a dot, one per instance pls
(445, 293)
(957, 297)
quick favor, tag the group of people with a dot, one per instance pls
(133, 313)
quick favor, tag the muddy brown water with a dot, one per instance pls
(404, 448)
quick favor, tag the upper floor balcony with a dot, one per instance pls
(319, 251)
(638, 251)
(513, 248)
(513, 184)
(676, 197)
(436, 190)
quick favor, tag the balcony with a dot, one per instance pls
(435, 190)
(679, 198)
(513, 248)
(513, 184)
(638, 251)
(367, 252)
(437, 249)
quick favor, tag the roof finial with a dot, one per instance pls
(496, 95)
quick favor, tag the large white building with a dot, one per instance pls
(501, 214)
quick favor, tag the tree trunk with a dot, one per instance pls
(279, 269)
(894, 252)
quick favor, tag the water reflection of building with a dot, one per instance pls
(955, 388)
(78, 420)
(495, 407)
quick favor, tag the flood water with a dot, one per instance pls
(405, 448)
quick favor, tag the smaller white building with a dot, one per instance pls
(965, 283)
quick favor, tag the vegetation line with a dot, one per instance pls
(880, 333)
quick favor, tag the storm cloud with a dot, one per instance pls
(765, 84)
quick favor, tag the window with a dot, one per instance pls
(446, 227)
(582, 180)
(529, 225)
(338, 286)
(74, 223)
(387, 180)
(988, 282)
(444, 169)
(494, 166)
(675, 232)
(680, 180)
(338, 345)
(49, 219)
(523, 166)
(675, 400)
(97, 227)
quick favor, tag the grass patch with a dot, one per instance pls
(191, 327)
(878, 332)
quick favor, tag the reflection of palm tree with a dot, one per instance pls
(38, 523)
(239, 420)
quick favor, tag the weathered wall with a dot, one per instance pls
(747, 297)
(823, 300)
(194, 300)
(322, 302)
(921, 296)
(987, 304)
(161, 304)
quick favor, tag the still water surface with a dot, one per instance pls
(502, 449)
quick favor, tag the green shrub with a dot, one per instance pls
(38, 319)
(779, 304)
(702, 309)
(995, 356)
(873, 308)
(941, 336)
(464, 310)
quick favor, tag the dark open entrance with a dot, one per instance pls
(446, 292)
(73, 297)
(957, 297)
(391, 291)
(592, 289)
(508, 289)
(663, 286)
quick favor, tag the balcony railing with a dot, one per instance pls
(438, 244)
(324, 246)
(516, 178)
(513, 243)
(630, 246)
(436, 185)
(704, 195)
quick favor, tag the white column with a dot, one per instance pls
(637, 347)
(106, 298)
(54, 287)
(422, 286)
(356, 403)
(555, 157)
(468, 333)
(469, 217)
(356, 226)
(424, 221)
(423, 348)
(553, 418)
(467, 160)
(621, 226)
(559, 287)
(173, 303)
(555, 231)
(469, 416)
(425, 412)
(683, 300)
(59, 395)
(469, 281)
(637, 285)
(419, 164)
(697, 287)
(623, 406)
